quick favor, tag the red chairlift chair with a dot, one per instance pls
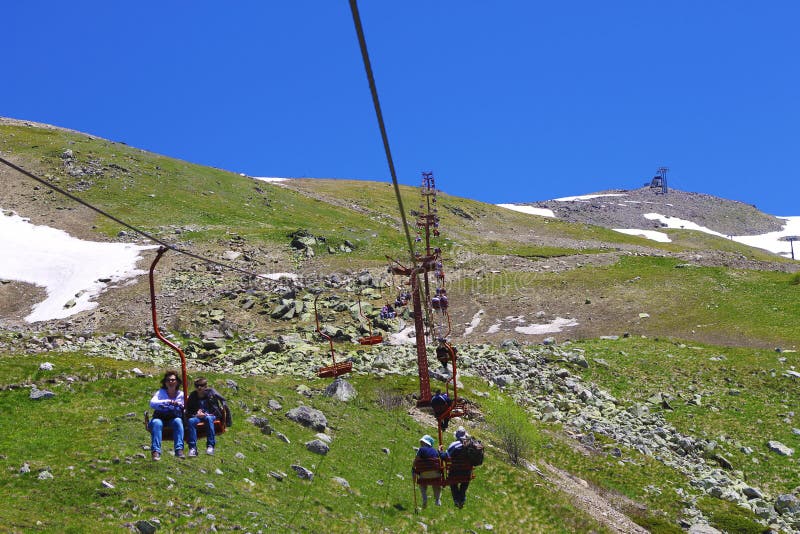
(370, 339)
(338, 368)
(219, 423)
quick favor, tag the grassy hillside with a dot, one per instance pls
(160, 194)
(717, 304)
(91, 433)
(91, 439)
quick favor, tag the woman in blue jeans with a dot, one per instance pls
(167, 405)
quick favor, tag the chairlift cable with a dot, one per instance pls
(104, 213)
(379, 115)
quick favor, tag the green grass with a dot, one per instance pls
(727, 306)
(746, 398)
(92, 431)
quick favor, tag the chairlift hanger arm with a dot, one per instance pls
(173, 346)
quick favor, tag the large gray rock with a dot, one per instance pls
(302, 472)
(317, 446)
(308, 417)
(787, 504)
(503, 380)
(263, 424)
(341, 390)
(780, 448)
(39, 394)
(382, 361)
(145, 527)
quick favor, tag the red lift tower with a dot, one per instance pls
(425, 262)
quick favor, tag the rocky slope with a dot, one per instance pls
(621, 208)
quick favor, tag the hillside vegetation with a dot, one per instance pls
(659, 406)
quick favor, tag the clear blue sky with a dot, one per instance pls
(506, 101)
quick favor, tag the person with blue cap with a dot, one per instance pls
(427, 467)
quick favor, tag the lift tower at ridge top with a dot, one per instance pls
(424, 263)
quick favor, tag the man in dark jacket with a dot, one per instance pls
(204, 404)
(460, 468)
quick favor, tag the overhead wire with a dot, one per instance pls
(362, 42)
(117, 220)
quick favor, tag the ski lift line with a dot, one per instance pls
(362, 42)
(126, 225)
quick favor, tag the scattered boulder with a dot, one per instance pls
(302, 472)
(787, 504)
(273, 346)
(263, 424)
(780, 448)
(752, 493)
(317, 446)
(278, 475)
(39, 394)
(145, 527)
(342, 482)
(308, 417)
(341, 390)
(503, 380)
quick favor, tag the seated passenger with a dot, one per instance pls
(167, 405)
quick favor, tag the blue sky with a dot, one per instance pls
(507, 101)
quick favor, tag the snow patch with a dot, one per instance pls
(675, 222)
(270, 179)
(406, 336)
(589, 197)
(771, 241)
(661, 237)
(476, 320)
(69, 269)
(543, 212)
(556, 325)
(278, 276)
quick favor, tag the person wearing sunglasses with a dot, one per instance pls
(204, 404)
(167, 405)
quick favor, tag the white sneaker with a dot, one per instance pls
(210, 450)
(192, 452)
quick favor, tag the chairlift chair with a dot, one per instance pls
(166, 434)
(338, 368)
(370, 339)
(437, 472)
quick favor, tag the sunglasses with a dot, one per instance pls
(200, 385)
(172, 379)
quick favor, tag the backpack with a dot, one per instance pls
(474, 451)
(219, 408)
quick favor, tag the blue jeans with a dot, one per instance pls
(210, 437)
(157, 425)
